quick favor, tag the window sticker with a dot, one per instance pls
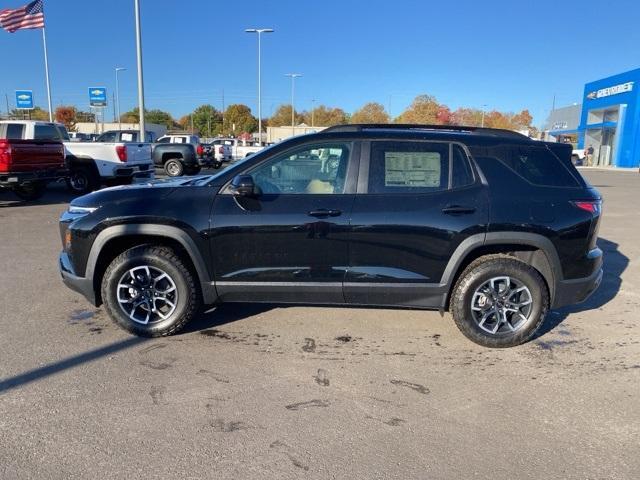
(412, 169)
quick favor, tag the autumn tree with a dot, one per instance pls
(425, 109)
(238, 119)
(282, 117)
(325, 116)
(371, 112)
(156, 116)
(67, 116)
(471, 117)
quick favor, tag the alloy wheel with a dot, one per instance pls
(147, 294)
(501, 305)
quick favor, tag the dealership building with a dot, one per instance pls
(608, 120)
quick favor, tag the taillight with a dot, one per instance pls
(221, 150)
(591, 206)
(5, 156)
(121, 150)
(200, 150)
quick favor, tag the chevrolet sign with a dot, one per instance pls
(607, 92)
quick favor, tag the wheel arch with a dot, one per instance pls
(116, 239)
(533, 249)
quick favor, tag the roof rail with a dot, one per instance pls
(359, 127)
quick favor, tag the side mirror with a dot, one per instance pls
(243, 186)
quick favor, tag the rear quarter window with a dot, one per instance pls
(13, 131)
(535, 164)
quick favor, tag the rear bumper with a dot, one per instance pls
(83, 286)
(144, 170)
(570, 292)
(17, 178)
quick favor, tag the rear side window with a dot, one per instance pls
(46, 132)
(12, 131)
(539, 166)
(408, 167)
(461, 173)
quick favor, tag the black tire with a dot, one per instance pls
(30, 191)
(474, 277)
(194, 170)
(187, 300)
(173, 167)
(82, 180)
(217, 165)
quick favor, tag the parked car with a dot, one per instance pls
(124, 136)
(578, 156)
(27, 165)
(238, 148)
(182, 154)
(222, 149)
(92, 164)
(488, 224)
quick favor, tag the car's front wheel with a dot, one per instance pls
(150, 291)
(499, 301)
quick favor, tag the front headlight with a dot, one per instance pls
(75, 210)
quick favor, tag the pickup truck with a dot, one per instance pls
(125, 136)
(578, 156)
(239, 149)
(91, 164)
(26, 166)
(182, 154)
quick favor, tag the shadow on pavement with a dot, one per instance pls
(67, 363)
(56, 194)
(615, 263)
(225, 313)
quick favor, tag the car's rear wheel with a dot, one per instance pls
(82, 180)
(499, 301)
(150, 291)
(173, 167)
(30, 191)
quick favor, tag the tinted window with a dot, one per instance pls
(108, 137)
(539, 166)
(461, 173)
(14, 131)
(318, 169)
(46, 132)
(408, 167)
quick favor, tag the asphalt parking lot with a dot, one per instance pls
(306, 392)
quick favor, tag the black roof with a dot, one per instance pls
(420, 128)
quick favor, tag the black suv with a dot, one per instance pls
(488, 224)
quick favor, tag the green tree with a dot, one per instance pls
(238, 119)
(282, 117)
(156, 116)
(206, 120)
(371, 113)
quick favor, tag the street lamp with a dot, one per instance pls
(484, 107)
(259, 32)
(136, 5)
(293, 110)
(118, 69)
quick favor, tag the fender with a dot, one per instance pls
(495, 238)
(208, 288)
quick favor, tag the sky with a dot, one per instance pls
(504, 55)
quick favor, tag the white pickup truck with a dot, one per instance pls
(239, 149)
(91, 164)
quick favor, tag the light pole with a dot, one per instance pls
(259, 32)
(293, 77)
(118, 69)
(143, 135)
(484, 107)
(313, 113)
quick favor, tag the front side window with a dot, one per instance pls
(318, 169)
(164, 140)
(408, 167)
(109, 137)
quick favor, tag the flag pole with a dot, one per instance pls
(46, 69)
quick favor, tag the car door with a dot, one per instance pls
(289, 241)
(416, 201)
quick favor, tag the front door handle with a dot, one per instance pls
(458, 210)
(324, 212)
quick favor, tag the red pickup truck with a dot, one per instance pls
(26, 166)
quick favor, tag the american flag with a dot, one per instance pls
(29, 16)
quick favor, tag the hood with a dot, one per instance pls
(153, 189)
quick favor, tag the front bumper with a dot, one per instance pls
(83, 286)
(571, 292)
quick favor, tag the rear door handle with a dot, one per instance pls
(458, 210)
(324, 212)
